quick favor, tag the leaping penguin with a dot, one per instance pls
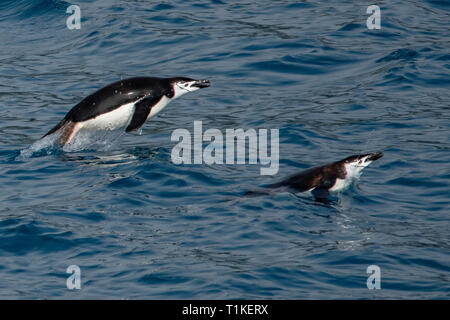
(322, 180)
(123, 104)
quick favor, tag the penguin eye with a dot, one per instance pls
(186, 84)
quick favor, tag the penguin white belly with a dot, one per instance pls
(340, 184)
(112, 120)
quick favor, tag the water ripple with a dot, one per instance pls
(140, 226)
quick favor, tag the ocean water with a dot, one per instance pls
(141, 227)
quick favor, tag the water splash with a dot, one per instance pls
(41, 147)
(93, 140)
(83, 140)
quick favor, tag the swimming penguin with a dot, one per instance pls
(123, 104)
(321, 180)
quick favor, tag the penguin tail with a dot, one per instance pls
(67, 129)
(56, 128)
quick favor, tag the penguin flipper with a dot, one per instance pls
(56, 128)
(320, 193)
(141, 111)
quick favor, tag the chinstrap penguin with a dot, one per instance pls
(322, 180)
(125, 104)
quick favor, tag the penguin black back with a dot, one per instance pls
(115, 95)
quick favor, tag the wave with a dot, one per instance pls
(25, 9)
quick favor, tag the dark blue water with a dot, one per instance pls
(140, 226)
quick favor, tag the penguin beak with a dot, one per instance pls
(374, 156)
(181, 87)
(201, 84)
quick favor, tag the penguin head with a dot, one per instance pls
(355, 164)
(183, 85)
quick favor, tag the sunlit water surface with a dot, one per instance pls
(141, 227)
